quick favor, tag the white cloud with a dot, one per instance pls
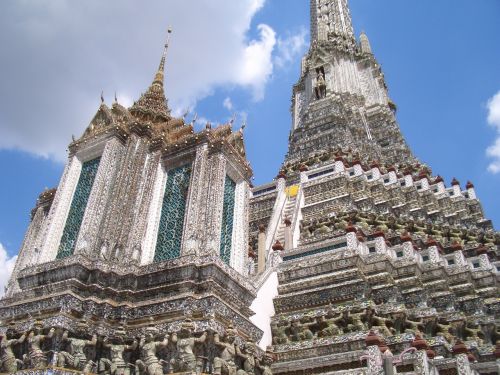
(289, 48)
(6, 266)
(57, 58)
(257, 65)
(228, 104)
(493, 151)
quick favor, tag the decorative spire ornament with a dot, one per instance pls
(153, 105)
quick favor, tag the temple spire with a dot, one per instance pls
(330, 17)
(152, 105)
(160, 74)
(365, 43)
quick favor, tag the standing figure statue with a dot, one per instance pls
(248, 357)
(36, 357)
(185, 342)
(8, 361)
(224, 363)
(149, 363)
(75, 356)
(116, 365)
(320, 88)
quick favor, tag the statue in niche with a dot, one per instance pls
(8, 361)
(149, 363)
(103, 253)
(82, 245)
(225, 362)
(36, 357)
(320, 88)
(248, 357)
(117, 252)
(136, 254)
(75, 357)
(185, 342)
(116, 365)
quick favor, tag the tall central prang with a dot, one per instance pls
(374, 265)
(341, 100)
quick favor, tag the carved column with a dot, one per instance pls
(154, 212)
(98, 202)
(463, 365)
(211, 208)
(59, 210)
(30, 249)
(135, 235)
(422, 363)
(374, 361)
(239, 253)
(193, 229)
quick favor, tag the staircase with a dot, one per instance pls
(288, 211)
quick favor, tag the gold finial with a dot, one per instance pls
(160, 73)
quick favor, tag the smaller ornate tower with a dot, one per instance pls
(148, 224)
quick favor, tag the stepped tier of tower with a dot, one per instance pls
(381, 249)
(406, 197)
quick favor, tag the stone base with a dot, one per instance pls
(49, 371)
(63, 371)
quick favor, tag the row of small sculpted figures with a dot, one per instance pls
(181, 351)
(334, 324)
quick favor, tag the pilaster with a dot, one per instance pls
(212, 207)
(60, 208)
(193, 229)
(99, 198)
(154, 213)
(240, 228)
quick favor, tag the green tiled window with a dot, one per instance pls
(227, 220)
(168, 243)
(77, 208)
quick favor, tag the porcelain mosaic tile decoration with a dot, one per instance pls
(227, 220)
(168, 243)
(77, 208)
(355, 260)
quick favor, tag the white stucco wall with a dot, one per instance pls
(264, 307)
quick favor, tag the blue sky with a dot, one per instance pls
(441, 60)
